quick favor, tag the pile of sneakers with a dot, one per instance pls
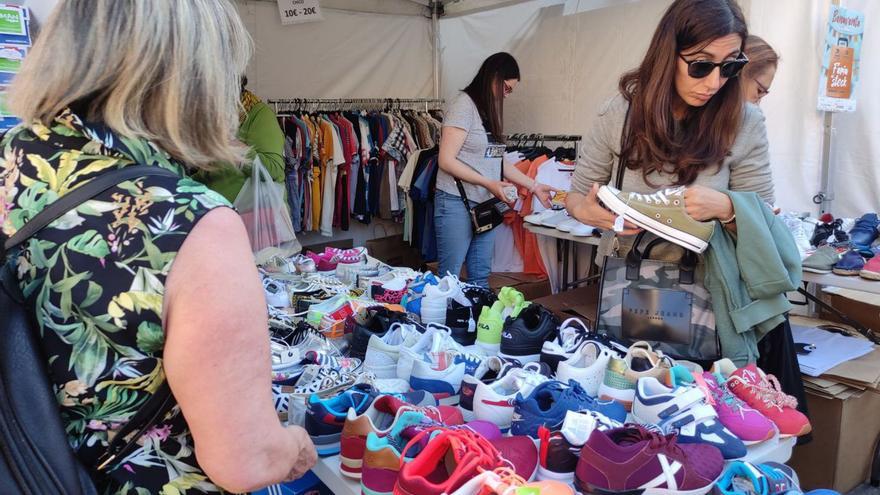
(843, 247)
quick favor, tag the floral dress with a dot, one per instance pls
(95, 279)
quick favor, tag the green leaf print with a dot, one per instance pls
(67, 284)
(89, 243)
(150, 337)
(92, 296)
(88, 357)
(157, 261)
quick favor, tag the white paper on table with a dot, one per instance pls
(831, 350)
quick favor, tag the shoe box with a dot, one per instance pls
(845, 435)
(582, 302)
(863, 312)
(532, 286)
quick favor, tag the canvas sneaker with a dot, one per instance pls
(539, 217)
(662, 213)
(633, 459)
(746, 423)
(586, 366)
(871, 271)
(489, 328)
(798, 229)
(771, 478)
(583, 230)
(495, 402)
(822, 260)
(347, 256)
(325, 417)
(383, 352)
(851, 263)
(686, 412)
(553, 220)
(623, 374)
(489, 370)
(763, 393)
(380, 418)
(523, 336)
(325, 263)
(304, 264)
(864, 233)
(548, 404)
(383, 458)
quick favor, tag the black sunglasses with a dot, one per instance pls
(699, 69)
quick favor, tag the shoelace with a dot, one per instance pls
(769, 392)
(656, 441)
(658, 197)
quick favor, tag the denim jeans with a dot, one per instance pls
(456, 242)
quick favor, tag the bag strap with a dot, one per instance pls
(624, 143)
(458, 183)
(80, 195)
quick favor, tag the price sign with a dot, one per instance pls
(299, 11)
(841, 60)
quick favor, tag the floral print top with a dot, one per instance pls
(95, 279)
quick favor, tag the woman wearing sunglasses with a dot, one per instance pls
(470, 161)
(686, 121)
(759, 73)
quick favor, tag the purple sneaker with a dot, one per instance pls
(634, 460)
(746, 423)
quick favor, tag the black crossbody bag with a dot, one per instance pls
(489, 214)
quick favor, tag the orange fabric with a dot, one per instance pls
(526, 243)
(532, 172)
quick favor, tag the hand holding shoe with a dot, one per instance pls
(704, 204)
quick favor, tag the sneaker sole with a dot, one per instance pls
(547, 475)
(326, 445)
(625, 397)
(817, 270)
(584, 487)
(669, 233)
(350, 467)
(869, 275)
(846, 273)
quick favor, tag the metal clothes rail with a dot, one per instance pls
(329, 104)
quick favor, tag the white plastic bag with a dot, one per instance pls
(266, 216)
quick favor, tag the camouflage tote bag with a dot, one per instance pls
(660, 302)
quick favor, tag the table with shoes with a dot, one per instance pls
(413, 383)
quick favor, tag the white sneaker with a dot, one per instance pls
(538, 218)
(435, 339)
(441, 377)
(489, 370)
(799, 231)
(583, 230)
(435, 302)
(276, 293)
(553, 220)
(383, 352)
(572, 333)
(567, 225)
(494, 403)
(587, 367)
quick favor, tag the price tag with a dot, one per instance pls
(299, 11)
(618, 224)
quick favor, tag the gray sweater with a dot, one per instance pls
(746, 169)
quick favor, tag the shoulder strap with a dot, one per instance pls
(80, 195)
(624, 142)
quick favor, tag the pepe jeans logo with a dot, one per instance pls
(657, 314)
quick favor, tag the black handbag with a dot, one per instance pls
(36, 458)
(489, 214)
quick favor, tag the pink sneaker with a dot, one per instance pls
(764, 393)
(324, 262)
(347, 256)
(743, 421)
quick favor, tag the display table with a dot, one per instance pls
(566, 241)
(853, 283)
(327, 470)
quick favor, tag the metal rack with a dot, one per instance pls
(553, 138)
(283, 106)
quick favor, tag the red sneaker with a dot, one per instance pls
(380, 418)
(451, 459)
(762, 392)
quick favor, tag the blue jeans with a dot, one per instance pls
(456, 242)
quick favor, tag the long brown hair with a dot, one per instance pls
(706, 133)
(761, 56)
(487, 90)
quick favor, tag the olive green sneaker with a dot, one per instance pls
(489, 328)
(822, 260)
(661, 213)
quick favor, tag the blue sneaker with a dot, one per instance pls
(326, 417)
(745, 478)
(550, 401)
(865, 232)
(850, 264)
(412, 301)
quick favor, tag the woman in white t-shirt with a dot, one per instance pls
(469, 152)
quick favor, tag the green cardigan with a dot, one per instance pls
(261, 132)
(748, 275)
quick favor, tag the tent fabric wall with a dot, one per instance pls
(347, 55)
(571, 64)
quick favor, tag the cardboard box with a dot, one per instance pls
(531, 286)
(845, 433)
(582, 303)
(866, 314)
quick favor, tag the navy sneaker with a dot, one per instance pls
(850, 264)
(550, 401)
(326, 417)
(523, 337)
(865, 232)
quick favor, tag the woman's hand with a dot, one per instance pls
(704, 204)
(544, 193)
(496, 187)
(587, 209)
(307, 455)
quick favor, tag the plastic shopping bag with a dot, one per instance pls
(266, 216)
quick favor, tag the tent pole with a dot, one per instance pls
(435, 26)
(826, 194)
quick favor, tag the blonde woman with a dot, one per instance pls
(129, 289)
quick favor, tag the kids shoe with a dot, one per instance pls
(662, 213)
(632, 460)
(763, 393)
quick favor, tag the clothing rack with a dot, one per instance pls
(283, 106)
(553, 138)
